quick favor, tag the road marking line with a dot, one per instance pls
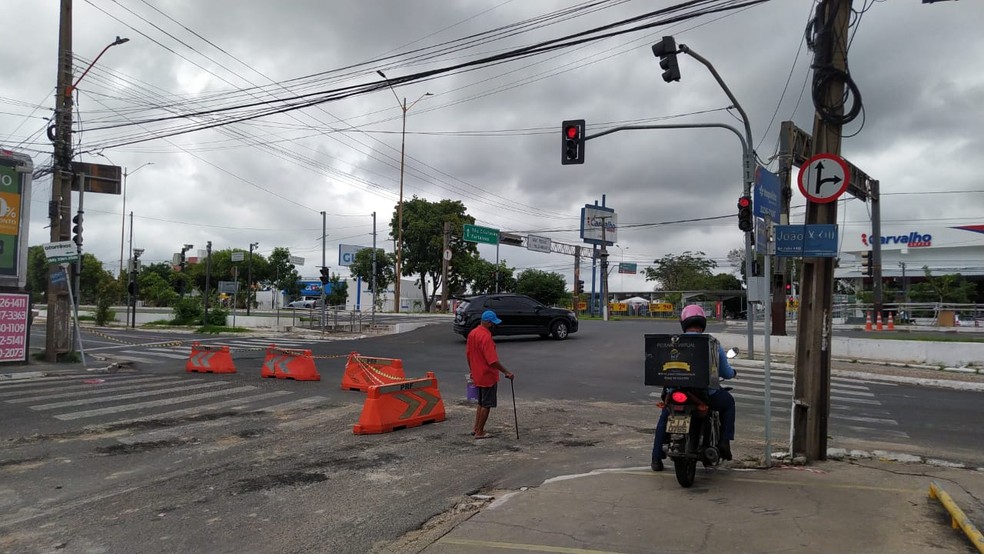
(38, 388)
(237, 404)
(168, 353)
(89, 390)
(153, 404)
(303, 402)
(40, 382)
(127, 396)
(524, 547)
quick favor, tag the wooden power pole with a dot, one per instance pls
(811, 394)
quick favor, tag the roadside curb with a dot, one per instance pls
(873, 376)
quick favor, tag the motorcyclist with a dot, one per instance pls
(693, 320)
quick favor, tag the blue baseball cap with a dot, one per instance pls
(489, 315)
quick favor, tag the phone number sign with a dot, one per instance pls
(14, 309)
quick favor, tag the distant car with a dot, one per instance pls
(520, 315)
(308, 304)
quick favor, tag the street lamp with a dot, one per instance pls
(399, 207)
(249, 278)
(117, 42)
(123, 223)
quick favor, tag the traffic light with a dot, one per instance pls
(572, 142)
(325, 275)
(866, 266)
(77, 229)
(666, 51)
(745, 222)
(579, 287)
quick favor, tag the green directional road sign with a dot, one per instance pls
(475, 233)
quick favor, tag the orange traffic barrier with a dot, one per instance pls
(878, 322)
(289, 364)
(362, 372)
(867, 322)
(891, 322)
(210, 359)
(400, 405)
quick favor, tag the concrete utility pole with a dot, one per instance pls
(375, 290)
(577, 277)
(445, 259)
(57, 336)
(208, 274)
(875, 240)
(811, 394)
(249, 278)
(604, 268)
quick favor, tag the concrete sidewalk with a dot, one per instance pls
(857, 506)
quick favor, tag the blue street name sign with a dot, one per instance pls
(806, 241)
(766, 200)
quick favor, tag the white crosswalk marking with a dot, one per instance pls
(90, 390)
(169, 353)
(853, 406)
(151, 404)
(128, 396)
(235, 404)
(36, 387)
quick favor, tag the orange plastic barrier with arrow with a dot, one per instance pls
(289, 364)
(210, 359)
(396, 406)
(362, 372)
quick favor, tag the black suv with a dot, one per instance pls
(520, 315)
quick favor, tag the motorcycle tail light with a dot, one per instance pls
(679, 397)
(703, 408)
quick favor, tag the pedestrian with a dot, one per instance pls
(483, 363)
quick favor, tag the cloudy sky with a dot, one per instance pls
(488, 135)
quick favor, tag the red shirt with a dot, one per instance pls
(481, 355)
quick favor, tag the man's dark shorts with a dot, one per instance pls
(487, 396)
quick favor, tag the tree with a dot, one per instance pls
(688, 271)
(283, 273)
(37, 273)
(736, 257)
(361, 268)
(548, 288)
(423, 240)
(92, 276)
(154, 290)
(952, 289)
(481, 275)
(339, 291)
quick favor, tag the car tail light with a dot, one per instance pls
(679, 397)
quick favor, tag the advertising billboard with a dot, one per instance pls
(599, 224)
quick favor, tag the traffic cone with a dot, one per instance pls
(878, 321)
(891, 322)
(867, 322)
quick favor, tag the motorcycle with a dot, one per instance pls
(693, 431)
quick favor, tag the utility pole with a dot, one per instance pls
(604, 268)
(876, 253)
(208, 274)
(375, 291)
(57, 336)
(249, 276)
(445, 258)
(811, 394)
(577, 277)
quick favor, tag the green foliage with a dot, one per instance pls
(109, 293)
(154, 289)
(688, 271)
(339, 291)
(216, 329)
(952, 289)
(482, 275)
(548, 288)
(282, 273)
(188, 311)
(423, 241)
(37, 273)
(216, 317)
(361, 267)
(92, 276)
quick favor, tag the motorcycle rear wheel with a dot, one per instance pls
(686, 470)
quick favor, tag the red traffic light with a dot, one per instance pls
(744, 202)
(571, 132)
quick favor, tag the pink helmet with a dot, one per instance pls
(693, 316)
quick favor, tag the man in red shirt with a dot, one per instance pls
(485, 367)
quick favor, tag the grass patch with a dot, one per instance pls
(216, 329)
(87, 317)
(66, 358)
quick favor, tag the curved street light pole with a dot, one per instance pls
(399, 206)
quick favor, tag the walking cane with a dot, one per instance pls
(512, 388)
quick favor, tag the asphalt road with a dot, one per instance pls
(125, 462)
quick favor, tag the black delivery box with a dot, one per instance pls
(685, 360)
